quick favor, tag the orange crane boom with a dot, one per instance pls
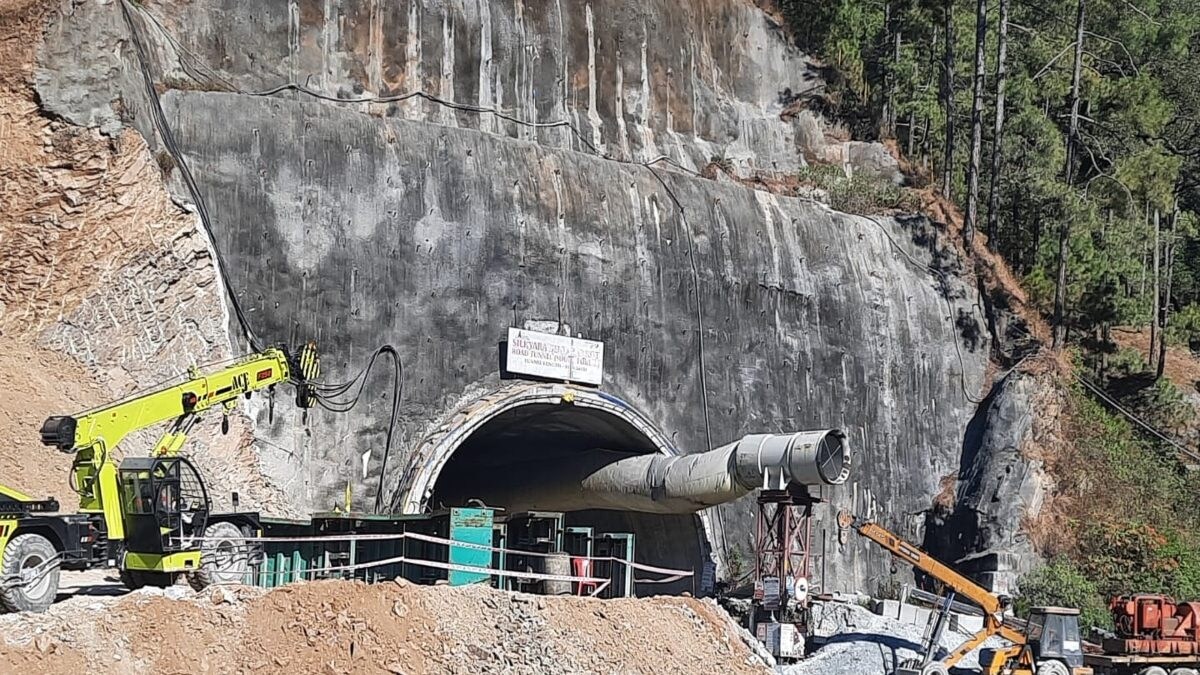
(993, 605)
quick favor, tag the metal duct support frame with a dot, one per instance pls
(787, 465)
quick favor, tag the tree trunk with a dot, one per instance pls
(1145, 261)
(1073, 131)
(972, 220)
(1020, 251)
(1154, 313)
(912, 132)
(1060, 287)
(1106, 340)
(1104, 330)
(926, 147)
(1166, 305)
(1064, 228)
(993, 221)
(934, 71)
(948, 99)
(888, 129)
(897, 41)
(1037, 238)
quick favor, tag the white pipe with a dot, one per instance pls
(603, 479)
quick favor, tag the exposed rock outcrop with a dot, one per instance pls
(1001, 486)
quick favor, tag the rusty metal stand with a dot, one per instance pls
(781, 543)
(781, 562)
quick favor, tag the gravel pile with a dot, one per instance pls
(860, 642)
(334, 627)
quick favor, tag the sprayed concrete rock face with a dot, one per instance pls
(105, 283)
(724, 311)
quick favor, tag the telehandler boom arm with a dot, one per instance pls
(109, 424)
(92, 435)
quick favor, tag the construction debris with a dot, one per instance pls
(342, 627)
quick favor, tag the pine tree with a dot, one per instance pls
(976, 159)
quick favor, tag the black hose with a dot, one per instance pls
(327, 398)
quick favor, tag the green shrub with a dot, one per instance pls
(1164, 406)
(1062, 584)
(1125, 558)
(1182, 581)
(1135, 470)
(1125, 362)
(1129, 557)
(1040, 289)
(860, 193)
(1135, 525)
(1184, 327)
(737, 562)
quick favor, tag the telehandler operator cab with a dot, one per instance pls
(164, 501)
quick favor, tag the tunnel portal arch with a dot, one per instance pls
(511, 410)
(433, 452)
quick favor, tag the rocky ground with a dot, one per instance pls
(350, 627)
(398, 627)
(860, 642)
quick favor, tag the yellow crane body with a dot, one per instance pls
(92, 435)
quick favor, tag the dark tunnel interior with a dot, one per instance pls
(523, 436)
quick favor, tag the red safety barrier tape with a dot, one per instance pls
(675, 575)
(485, 571)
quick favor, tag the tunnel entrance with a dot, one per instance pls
(506, 437)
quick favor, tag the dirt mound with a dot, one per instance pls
(392, 627)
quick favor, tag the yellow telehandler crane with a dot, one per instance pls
(146, 516)
(1049, 645)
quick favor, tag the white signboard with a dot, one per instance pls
(555, 357)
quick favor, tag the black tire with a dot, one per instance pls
(23, 552)
(130, 579)
(1052, 668)
(135, 579)
(224, 557)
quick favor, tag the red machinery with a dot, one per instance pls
(1154, 624)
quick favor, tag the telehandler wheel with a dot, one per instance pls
(135, 579)
(223, 557)
(1052, 668)
(935, 668)
(1154, 670)
(29, 573)
(1184, 671)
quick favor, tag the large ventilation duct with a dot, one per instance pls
(605, 479)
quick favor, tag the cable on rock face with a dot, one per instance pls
(168, 140)
(328, 395)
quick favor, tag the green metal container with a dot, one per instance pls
(472, 526)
